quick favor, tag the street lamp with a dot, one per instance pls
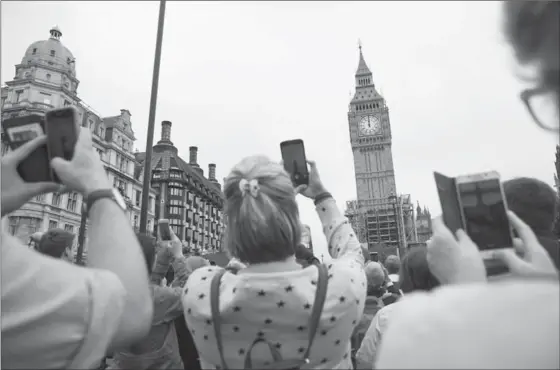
(393, 200)
(82, 234)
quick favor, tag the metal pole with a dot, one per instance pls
(82, 234)
(151, 122)
(398, 232)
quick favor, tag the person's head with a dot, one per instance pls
(532, 28)
(393, 264)
(534, 201)
(148, 245)
(55, 243)
(261, 212)
(415, 273)
(375, 276)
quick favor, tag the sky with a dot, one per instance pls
(238, 78)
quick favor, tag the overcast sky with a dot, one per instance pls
(238, 78)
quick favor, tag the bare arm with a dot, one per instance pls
(181, 271)
(341, 238)
(113, 246)
(163, 261)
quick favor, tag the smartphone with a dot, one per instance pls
(483, 207)
(295, 162)
(374, 256)
(449, 200)
(61, 127)
(20, 130)
(164, 229)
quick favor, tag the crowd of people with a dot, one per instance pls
(275, 305)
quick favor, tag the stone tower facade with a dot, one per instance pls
(370, 137)
(380, 216)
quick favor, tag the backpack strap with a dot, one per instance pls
(318, 304)
(216, 318)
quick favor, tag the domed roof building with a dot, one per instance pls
(51, 52)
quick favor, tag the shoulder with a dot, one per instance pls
(50, 298)
(479, 314)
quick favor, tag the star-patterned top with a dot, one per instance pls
(277, 306)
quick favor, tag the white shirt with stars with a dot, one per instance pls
(278, 305)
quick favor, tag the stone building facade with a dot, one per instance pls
(46, 79)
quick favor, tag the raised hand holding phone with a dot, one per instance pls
(535, 261)
(15, 191)
(168, 239)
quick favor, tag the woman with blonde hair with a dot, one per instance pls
(273, 300)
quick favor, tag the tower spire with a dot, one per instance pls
(363, 69)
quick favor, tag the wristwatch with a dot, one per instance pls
(112, 194)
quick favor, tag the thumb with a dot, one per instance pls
(300, 188)
(511, 260)
(60, 165)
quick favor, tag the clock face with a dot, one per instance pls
(369, 125)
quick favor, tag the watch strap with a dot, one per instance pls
(94, 196)
(321, 197)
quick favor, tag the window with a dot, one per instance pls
(52, 53)
(72, 200)
(189, 216)
(67, 103)
(56, 199)
(69, 228)
(135, 221)
(27, 225)
(188, 233)
(195, 236)
(151, 203)
(100, 152)
(34, 51)
(190, 197)
(102, 132)
(195, 219)
(138, 197)
(39, 198)
(4, 100)
(53, 224)
(175, 210)
(149, 226)
(19, 94)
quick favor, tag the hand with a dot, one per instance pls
(535, 260)
(454, 261)
(15, 191)
(315, 186)
(174, 246)
(85, 172)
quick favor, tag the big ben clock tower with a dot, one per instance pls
(370, 137)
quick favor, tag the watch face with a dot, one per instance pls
(119, 199)
(369, 125)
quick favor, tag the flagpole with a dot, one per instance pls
(146, 185)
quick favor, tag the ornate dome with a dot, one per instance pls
(51, 52)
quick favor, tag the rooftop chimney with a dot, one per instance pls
(193, 150)
(212, 172)
(166, 131)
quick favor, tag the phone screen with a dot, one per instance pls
(20, 130)
(485, 215)
(61, 133)
(295, 163)
(164, 230)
